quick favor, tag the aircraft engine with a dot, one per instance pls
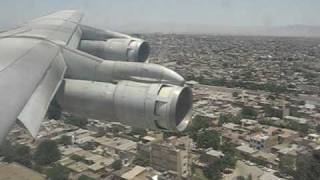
(117, 49)
(143, 105)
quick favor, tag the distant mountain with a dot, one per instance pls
(291, 30)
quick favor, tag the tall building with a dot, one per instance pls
(165, 157)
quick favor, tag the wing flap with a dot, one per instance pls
(35, 110)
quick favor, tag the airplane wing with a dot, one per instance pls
(60, 27)
(32, 67)
(88, 67)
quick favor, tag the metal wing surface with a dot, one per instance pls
(32, 67)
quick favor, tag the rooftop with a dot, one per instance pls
(246, 149)
(133, 172)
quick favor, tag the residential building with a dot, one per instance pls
(165, 157)
(261, 141)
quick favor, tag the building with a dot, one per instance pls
(248, 122)
(245, 151)
(117, 145)
(297, 120)
(165, 157)
(284, 135)
(288, 158)
(261, 141)
(208, 157)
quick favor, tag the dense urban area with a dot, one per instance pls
(256, 116)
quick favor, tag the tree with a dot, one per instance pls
(318, 128)
(272, 112)
(77, 121)
(116, 165)
(287, 165)
(308, 166)
(17, 153)
(141, 160)
(47, 152)
(199, 122)
(138, 131)
(23, 155)
(272, 87)
(65, 140)
(249, 112)
(235, 94)
(229, 160)
(58, 172)
(241, 178)
(207, 139)
(227, 118)
(222, 119)
(89, 145)
(214, 170)
(85, 177)
(78, 158)
(54, 110)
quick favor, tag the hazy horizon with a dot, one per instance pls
(185, 16)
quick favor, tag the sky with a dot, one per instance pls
(121, 14)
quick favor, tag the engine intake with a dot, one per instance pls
(150, 106)
(123, 49)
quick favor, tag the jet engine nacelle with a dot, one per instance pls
(150, 106)
(110, 45)
(123, 49)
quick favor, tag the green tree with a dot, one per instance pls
(78, 158)
(229, 160)
(318, 128)
(249, 112)
(228, 118)
(207, 139)
(58, 172)
(138, 131)
(287, 165)
(17, 153)
(77, 121)
(47, 152)
(271, 112)
(241, 178)
(199, 122)
(23, 155)
(214, 170)
(85, 177)
(116, 165)
(54, 110)
(89, 145)
(141, 160)
(235, 94)
(272, 87)
(222, 119)
(308, 166)
(65, 140)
